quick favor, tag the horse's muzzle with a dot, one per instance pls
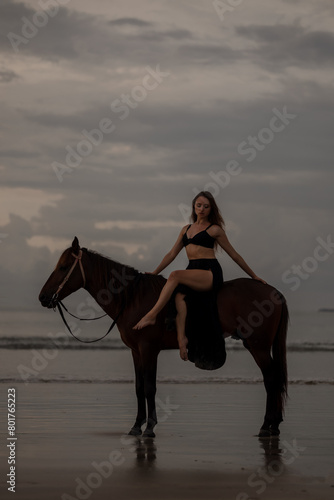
(48, 301)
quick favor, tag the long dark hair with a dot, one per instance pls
(215, 217)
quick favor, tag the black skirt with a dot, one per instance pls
(206, 344)
(212, 265)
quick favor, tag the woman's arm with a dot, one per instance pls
(226, 245)
(170, 256)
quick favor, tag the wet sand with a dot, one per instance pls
(72, 444)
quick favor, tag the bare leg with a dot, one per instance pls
(195, 278)
(165, 295)
(181, 307)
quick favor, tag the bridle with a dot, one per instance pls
(65, 280)
(55, 302)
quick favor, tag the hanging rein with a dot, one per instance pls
(60, 305)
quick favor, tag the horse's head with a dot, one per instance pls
(66, 278)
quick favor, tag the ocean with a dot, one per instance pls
(36, 347)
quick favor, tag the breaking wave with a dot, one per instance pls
(116, 344)
(163, 380)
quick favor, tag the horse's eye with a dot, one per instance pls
(63, 268)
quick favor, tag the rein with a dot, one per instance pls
(60, 305)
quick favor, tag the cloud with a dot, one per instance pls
(6, 76)
(213, 131)
(130, 21)
(77, 36)
(208, 54)
(135, 224)
(284, 45)
(123, 199)
(24, 201)
(16, 21)
(271, 33)
(22, 267)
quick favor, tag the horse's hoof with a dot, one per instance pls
(274, 432)
(264, 433)
(148, 433)
(271, 432)
(135, 431)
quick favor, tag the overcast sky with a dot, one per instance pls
(234, 96)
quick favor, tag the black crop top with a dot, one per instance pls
(202, 239)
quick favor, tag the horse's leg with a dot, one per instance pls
(273, 415)
(140, 393)
(149, 357)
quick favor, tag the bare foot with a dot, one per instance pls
(183, 349)
(145, 321)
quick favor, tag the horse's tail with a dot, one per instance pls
(279, 356)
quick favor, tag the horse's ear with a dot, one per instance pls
(75, 245)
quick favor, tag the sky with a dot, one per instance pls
(114, 114)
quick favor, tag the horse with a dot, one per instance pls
(254, 312)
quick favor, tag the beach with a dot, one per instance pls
(140, 139)
(75, 404)
(72, 442)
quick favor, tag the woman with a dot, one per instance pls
(203, 273)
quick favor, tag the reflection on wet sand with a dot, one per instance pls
(146, 453)
(145, 450)
(272, 452)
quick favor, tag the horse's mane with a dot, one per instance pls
(122, 281)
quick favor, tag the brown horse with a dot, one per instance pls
(254, 312)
